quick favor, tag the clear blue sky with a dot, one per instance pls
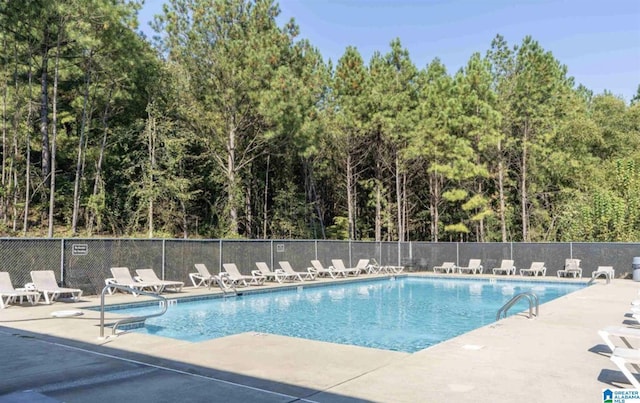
(598, 40)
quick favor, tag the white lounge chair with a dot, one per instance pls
(375, 268)
(474, 267)
(506, 267)
(150, 276)
(298, 275)
(264, 270)
(447, 267)
(618, 331)
(604, 271)
(536, 268)
(338, 265)
(571, 267)
(122, 276)
(622, 357)
(394, 269)
(44, 281)
(237, 278)
(322, 271)
(362, 265)
(9, 295)
(203, 277)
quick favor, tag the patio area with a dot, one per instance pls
(555, 357)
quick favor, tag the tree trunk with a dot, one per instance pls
(523, 184)
(399, 200)
(378, 217)
(315, 199)
(4, 151)
(97, 183)
(27, 186)
(44, 108)
(265, 210)
(503, 219)
(231, 178)
(54, 134)
(151, 144)
(350, 197)
(405, 212)
(13, 169)
(434, 186)
(79, 161)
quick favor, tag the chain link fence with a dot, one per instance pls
(86, 263)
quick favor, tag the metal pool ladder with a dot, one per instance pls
(533, 302)
(134, 319)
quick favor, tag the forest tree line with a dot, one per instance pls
(227, 125)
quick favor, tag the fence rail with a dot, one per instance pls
(85, 263)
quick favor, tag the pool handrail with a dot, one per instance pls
(163, 304)
(533, 301)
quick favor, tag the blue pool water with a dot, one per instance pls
(405, 314)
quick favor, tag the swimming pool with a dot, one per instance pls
(404, 314)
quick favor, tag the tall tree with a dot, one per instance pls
(393, 98)
(479, 123)
(211, 42)
(350, 84)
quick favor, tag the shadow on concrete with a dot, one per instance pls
(614, 378)
(38, 367)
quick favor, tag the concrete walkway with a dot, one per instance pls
(555, 357)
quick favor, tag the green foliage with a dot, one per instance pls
(234, 128)
(339, 229)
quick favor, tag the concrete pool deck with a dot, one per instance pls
(557, 356)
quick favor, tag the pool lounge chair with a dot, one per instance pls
(9, 295)
(622, 357)
(362, 265)
(394, 269)
(202, 276)
(618, 331)
(391, 269)
(536, 268)
(322, 271)
(474, 267)
(264, 270)
(374, 267)
(44, 281)
(237, 278)
(571, 267)
(149, 276)
(447, 267)
(339, 266)
(604, 271)
(298, 275)
(506, 267)
(122, 276)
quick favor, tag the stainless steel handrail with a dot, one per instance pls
(531, 297)
(163, 304)
(220, 279)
